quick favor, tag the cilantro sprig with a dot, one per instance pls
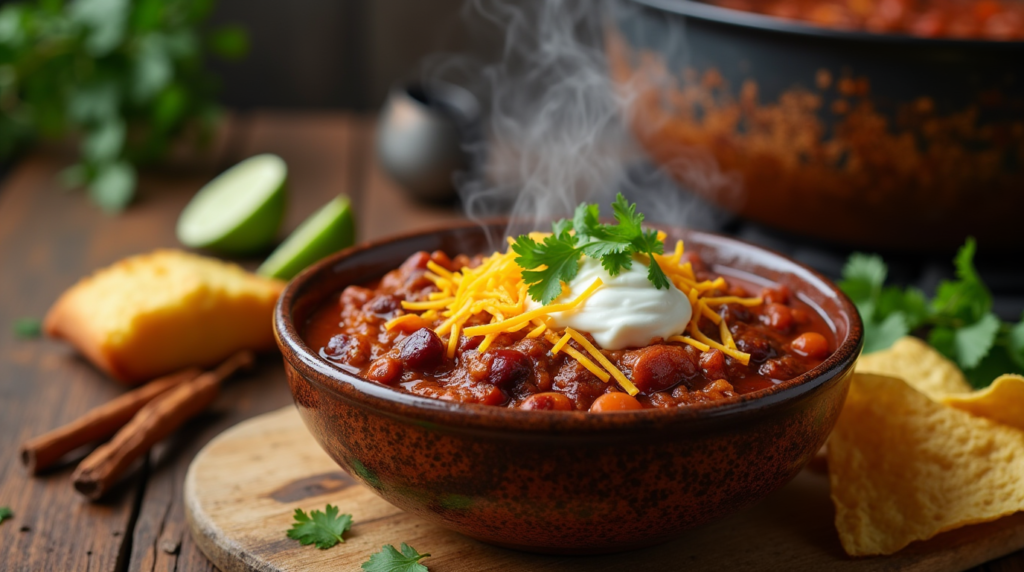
(391, 560)
(556, 259)
(325, 529)
(958, 321)
(5, 513)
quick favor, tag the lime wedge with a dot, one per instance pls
(327, 231)
(240, 211)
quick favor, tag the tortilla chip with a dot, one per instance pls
(914, 361)
(904, 468)
(1002, 402)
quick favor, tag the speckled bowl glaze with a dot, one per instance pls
(565, 482)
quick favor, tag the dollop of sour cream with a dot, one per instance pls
(627, 311)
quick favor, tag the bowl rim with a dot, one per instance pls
(758, 21)
(398, 403)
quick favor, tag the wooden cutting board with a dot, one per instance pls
(243, 487)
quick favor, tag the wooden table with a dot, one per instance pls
(49, 238)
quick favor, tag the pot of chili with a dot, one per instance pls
(889, 124)
(536, 436)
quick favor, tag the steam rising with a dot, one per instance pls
(555, 134)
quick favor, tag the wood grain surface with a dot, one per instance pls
(49, 238)
(242, 488)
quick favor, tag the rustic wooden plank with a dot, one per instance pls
(243, 487)
(49, 238)
(319, 151)
(387, 210)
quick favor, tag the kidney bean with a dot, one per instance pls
(384, 370)
(353, 350)
(383, 305)
(659, 367)
(733, 313)
(753, 343)
(466, 344)
(508, 367)
(549, 401)
(417, 261)
(422, 350)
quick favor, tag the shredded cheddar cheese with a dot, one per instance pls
(491, 299)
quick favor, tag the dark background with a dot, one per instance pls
(316, 54)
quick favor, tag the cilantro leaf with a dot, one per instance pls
(616, 262)
(1015, 343)
(965, 299)
(974, 342)
(561, 226)
(863, 276)
(993, 365)
(630, 221)
(325, 529)
(879, 335)
(547, 264)
(391, 560)
(556, 259)
(958, 320)
(657, 276)
(600, 241)
(5, 513)
(586, 219)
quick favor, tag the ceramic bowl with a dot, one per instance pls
(564, 482)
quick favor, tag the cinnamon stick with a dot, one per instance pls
(158, 419)
(42, 452)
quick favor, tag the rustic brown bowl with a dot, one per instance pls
(564, 482)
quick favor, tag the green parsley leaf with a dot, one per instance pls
(325, 529)
(26, 328)
(5, 513)
(391, 560)
(547, 264)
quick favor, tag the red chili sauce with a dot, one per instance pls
(783, 336)
(981, 19)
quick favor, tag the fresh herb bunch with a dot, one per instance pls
(127, 76)
(958, 321)
(325, 529)
(613, 244)
(390, 559)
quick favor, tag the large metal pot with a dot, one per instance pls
(870, 140)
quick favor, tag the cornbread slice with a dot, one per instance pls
(155, 313)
